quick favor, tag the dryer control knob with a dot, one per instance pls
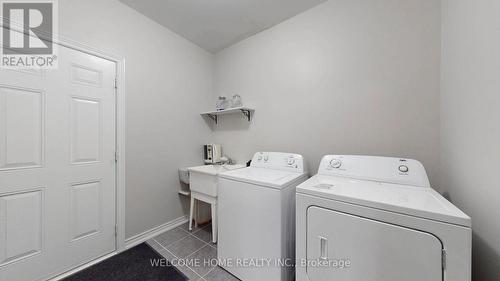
(335, 163)
(403, 169)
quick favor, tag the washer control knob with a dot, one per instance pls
(403, 169)
(266, 158)
(259, 157)
(291, 161)
(335, 163)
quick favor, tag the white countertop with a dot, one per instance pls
(215, 169)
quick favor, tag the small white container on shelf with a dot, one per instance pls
(236, 101)
(221, 103)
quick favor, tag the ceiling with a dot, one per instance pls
(217, 24)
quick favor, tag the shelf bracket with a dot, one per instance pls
(247, 113)
(214, 117)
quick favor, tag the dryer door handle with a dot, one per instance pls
(323, 248)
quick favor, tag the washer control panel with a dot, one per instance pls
(375, 168)
(278, 160)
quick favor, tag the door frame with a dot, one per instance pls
(119, 136)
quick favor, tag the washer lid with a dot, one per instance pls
(262, 176)
(404, 199)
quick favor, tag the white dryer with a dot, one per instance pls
(257, 217)
(365, 218)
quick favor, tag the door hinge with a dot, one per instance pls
(116, 156)
(443, 258)
(116, 83)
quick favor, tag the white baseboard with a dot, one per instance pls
(129, 243)
(148, 234)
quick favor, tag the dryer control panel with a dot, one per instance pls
(375, 168)
(279, 161)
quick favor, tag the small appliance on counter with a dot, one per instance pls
(212, 153)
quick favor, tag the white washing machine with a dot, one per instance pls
(257, 217)
(377, 219)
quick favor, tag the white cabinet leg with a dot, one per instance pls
(196, 213)
(214, 223)
(191, 211)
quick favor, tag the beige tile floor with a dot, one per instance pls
(180, 243)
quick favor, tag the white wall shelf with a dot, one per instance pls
(214, 115)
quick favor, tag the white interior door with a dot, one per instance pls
(57, 166)
(377, 251)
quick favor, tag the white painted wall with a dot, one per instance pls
(346, 77)
(470, 124)
(168, 81)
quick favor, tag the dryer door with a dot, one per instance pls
(351, 248)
